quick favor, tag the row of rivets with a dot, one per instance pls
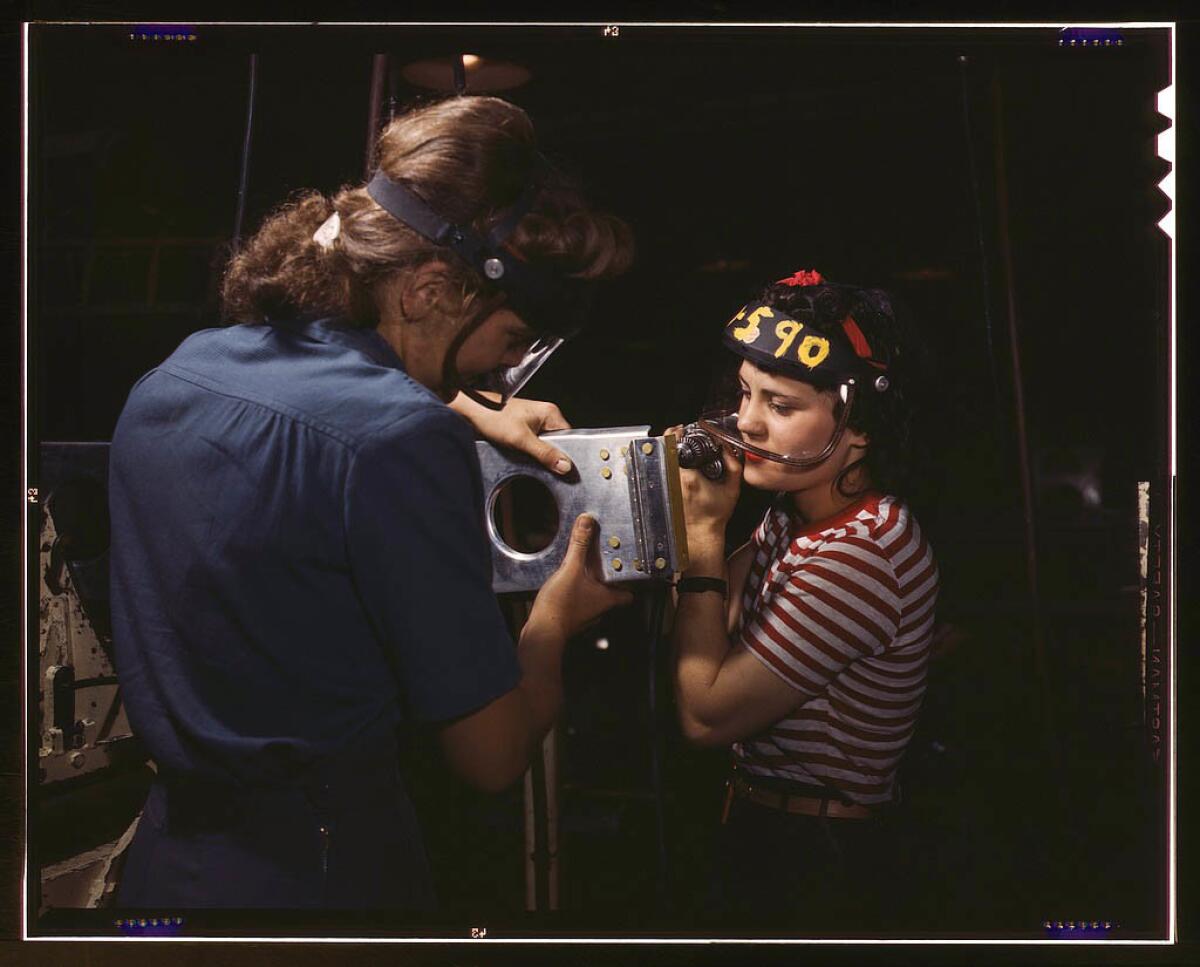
(614, 541)
(660, 563)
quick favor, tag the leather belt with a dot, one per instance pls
(797, 805)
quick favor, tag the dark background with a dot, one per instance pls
(738, 155)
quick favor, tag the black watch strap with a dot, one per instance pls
(702, 584)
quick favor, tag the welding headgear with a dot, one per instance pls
(554, 306)
(816, 340)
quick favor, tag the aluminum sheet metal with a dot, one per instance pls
(626, 479)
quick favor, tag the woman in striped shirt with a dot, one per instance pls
(810, 658)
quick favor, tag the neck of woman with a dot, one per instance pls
(826, 501)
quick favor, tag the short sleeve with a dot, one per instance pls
(839, 604)
(420, 560)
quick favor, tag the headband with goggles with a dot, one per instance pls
(548, 302)
(552, 305)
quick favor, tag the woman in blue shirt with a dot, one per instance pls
(300, 567)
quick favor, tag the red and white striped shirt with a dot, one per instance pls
(844, 614)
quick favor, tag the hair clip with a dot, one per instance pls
(328, 232)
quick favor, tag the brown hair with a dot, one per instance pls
(469, 158)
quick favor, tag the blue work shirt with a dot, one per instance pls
(299, 560)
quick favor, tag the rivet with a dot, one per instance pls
(660, 563)
(605, 472)
(493, 268)
(614, 541)
(604, 454)
(617, 565)
(647, 447)
(637, 565)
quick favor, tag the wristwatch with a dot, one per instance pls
(697, 585)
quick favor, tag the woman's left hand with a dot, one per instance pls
(517, 427)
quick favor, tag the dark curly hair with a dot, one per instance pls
(469, 157)
(885, 417)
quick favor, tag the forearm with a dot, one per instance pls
(699, 638)
(539, 653)
(492, 747)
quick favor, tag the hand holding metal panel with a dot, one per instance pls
(626, 479)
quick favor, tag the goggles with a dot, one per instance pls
(553, 305)
(508, 381)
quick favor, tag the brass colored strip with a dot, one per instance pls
(675, 498)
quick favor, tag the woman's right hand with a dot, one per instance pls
(708, 504)
(574, 596)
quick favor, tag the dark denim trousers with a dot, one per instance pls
(353, 845)
(783, 873)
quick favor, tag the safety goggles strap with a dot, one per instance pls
(405, 205)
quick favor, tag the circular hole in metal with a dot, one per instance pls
(525, 515)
